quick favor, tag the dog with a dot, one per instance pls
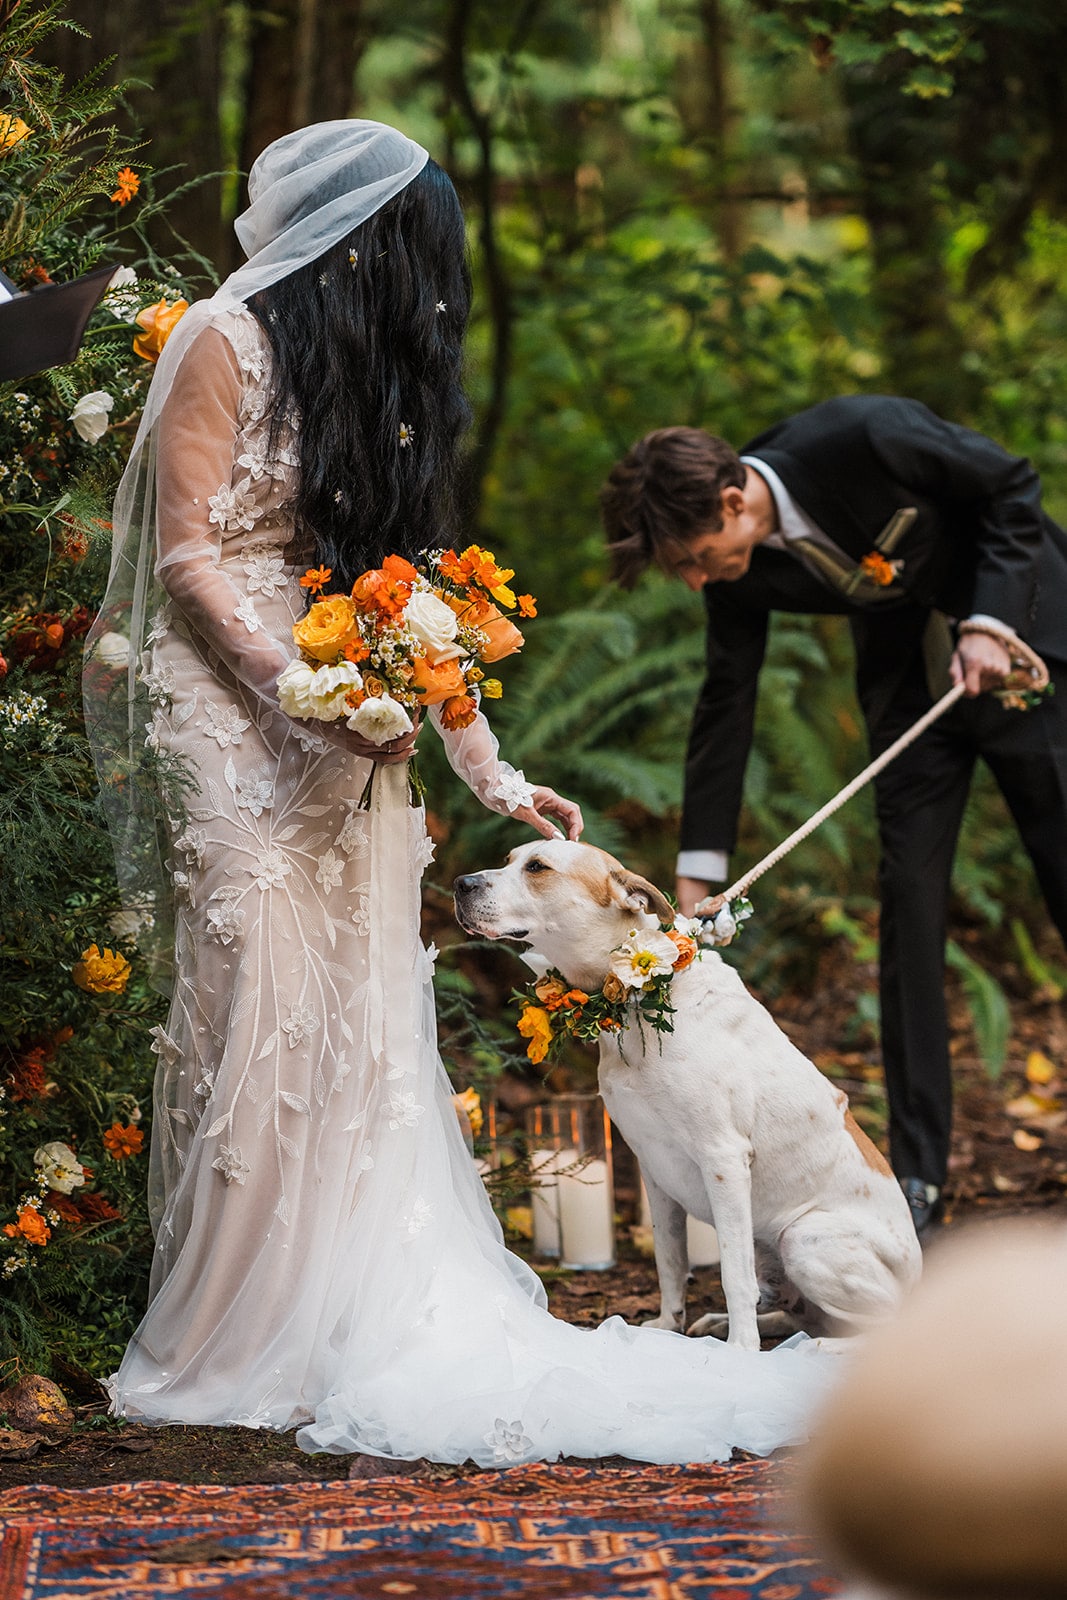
(728, 1119)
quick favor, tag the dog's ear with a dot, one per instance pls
(637, 894)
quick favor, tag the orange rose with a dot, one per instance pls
(101, 972)
(613, 990)
(158, 322)
(397, 568)
(503, 636)
(31, 1225)
(433, 684)
(458, 712)
(687, 949)
(550, 992)
(329, 626)
(120, 1142)
(382, 591)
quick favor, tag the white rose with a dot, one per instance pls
(434, 625)
(380, 719)
(329, 690)
(294, 689)
(58, 1163)
(113, 650)
(90, 417)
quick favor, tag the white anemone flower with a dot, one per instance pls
(60, 1166)
(90, 415)
(646, 953)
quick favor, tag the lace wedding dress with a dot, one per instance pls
(326, 1256)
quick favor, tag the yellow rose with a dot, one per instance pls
(101, 972)
(12, 132)
(158, 322)
(329, 626)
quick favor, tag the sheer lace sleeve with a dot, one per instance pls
(474, 755)
(196, 508)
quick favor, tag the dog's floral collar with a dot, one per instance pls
(637, 988)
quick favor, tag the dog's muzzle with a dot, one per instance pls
(469, 895)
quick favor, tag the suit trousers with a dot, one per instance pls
(920, 801)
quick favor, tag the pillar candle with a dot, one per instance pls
(586, 1217)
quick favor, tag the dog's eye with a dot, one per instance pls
(534, 865)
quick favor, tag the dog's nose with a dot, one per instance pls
(466, 885)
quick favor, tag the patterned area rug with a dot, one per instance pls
(553, 1533)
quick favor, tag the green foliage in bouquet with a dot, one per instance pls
(75, 1003)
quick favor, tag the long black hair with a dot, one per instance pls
(368, 350)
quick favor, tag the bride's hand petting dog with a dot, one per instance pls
(729, 1120)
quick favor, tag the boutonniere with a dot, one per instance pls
(880, 571)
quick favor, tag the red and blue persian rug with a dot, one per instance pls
(547, 1533)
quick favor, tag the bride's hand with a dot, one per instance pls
(384, 755)
(547, 803)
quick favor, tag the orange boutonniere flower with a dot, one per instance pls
(121, 1143)
(158, 322)
(101, 971)
(128, 185)
(878, 569)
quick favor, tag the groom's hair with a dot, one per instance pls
(666, 488)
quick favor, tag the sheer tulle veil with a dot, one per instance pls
(307, 191)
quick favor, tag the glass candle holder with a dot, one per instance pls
(571, 1152)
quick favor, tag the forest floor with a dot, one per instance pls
(1009, 1156)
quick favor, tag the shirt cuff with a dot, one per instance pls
(994, 625)
(707, 866)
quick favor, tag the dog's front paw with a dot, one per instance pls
(714, 1324)
(671, 1321)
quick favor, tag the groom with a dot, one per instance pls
(870, 506)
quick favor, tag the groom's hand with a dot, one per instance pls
(547, 803)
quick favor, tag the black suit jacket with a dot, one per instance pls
(980, 542)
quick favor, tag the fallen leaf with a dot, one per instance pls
(1032, 1105)
(1026, 1141)
(16, 1445)
(1039, 1069)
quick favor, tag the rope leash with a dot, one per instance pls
(1025, 684)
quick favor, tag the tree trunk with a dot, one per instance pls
(174, 47)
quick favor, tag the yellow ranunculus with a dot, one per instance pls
(329, 626)
(470, 1104)
(102, 972)
(158, 322)
(535, 1024)
(12, 131)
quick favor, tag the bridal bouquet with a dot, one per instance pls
(401, 640)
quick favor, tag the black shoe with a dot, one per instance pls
(924, 1202)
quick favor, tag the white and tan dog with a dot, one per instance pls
(729, 1121)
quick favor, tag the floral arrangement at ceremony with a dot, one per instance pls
(637, 987)
(402, 640)
(75, 1005)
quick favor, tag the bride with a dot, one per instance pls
(326, 1257)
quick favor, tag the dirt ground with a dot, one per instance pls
(1009, 1156)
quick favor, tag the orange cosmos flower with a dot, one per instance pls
(31, 1225)
(158, 322)
(458, 712)
(101, 972)
(381, 591)
(121, 1143)
(128, 185)
(316, 579)
(527, 605)
(878, 568)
